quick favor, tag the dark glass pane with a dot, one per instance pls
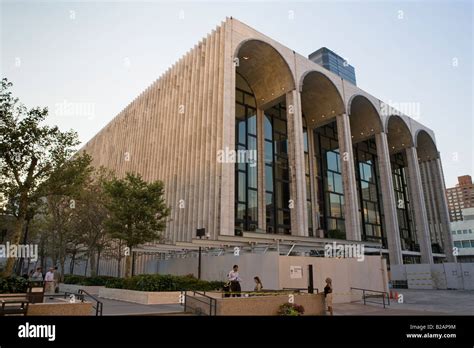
(241, 164)
(279, 125)
(365, 190)
(242, 187)
(241, 211)
(252, 123)
(332, 161)
(268, 152)
(268, 128)
(252, 176)
(252, 205)
(338, 183)
(269, 178)
(373, 193)
(335, 205)
(252, 143)
(330, 182)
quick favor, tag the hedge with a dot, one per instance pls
(86, 281)
(159, 282)
(13, 285)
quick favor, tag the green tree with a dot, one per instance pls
(29, 152)
(137, 212)
(63, 191)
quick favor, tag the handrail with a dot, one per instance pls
(99, 305)
(212, 301)
(375, 291)
(80, 295)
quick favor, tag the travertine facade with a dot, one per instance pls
(175, 128)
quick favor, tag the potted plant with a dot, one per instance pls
(290, 309)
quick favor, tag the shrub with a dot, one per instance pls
(86, 281)
(167, 282)
(13, 285)
(290, 309)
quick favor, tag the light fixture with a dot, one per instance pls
(361, 133)
(245, 57)
(323, 116)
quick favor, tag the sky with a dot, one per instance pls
(87, 60)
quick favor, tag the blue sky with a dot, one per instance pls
(97, 56)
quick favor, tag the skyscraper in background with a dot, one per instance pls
(459, 197)
(335, 63)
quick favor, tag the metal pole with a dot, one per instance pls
(199, 264)
(310, 280)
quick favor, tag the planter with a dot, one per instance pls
(142, 297)
(93, 290)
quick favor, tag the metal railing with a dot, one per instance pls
(364, 297)
(208, 300)
(80, 296)
(98, 304)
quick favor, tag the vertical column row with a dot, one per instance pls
(388, 200)
(351, 200)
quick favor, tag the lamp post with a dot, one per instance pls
(200, 232)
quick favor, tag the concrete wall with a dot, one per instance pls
(345, 273)
(258, 305)
(264, 266)
(436, 276)
(274, 271)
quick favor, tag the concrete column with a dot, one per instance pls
(440, 192)
(261, 169)
(351, 200)
(418, 204)
(227, 180)
(299, 221)
(392, 230)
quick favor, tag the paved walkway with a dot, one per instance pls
(114, 307)
(416, 302)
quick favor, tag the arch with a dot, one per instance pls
(265, 70)
(425, 146)
(320, 99)
(364, 118)
(399, 135)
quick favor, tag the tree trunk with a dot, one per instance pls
(98, 262)
(92, 261)
(128, 266)
(15, 239)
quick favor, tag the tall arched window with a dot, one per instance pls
(277, 178)
(246, 197)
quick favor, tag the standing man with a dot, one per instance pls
(235, 281)
(49, 280)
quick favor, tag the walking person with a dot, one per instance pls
(258, 284)
(235, 280)
(328, 294)
(49, 281)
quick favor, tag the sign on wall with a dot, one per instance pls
(296, 272)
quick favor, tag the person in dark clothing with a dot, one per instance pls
(235, 280)
(328, 294)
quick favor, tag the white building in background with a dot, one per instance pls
(463, 236)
